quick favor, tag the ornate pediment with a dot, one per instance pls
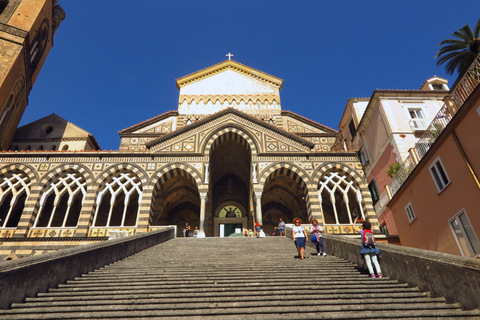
(229, 84)
(265, 138)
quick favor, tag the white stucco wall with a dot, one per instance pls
(228, 83)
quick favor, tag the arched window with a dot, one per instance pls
(7, 114)
(53, 148)
(14, 190)
(119, 201)
(40, 148)
(340, 198)
(61, 203)
(65, 147)
(38, 45)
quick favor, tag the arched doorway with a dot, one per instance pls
(230, 162)
(176, 201)
(283, 197)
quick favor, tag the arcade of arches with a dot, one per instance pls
(233, 191)
(217, 170)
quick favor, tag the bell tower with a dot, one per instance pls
(27, 28)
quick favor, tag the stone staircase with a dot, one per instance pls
(233, 278)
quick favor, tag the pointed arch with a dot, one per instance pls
(67, 167)
(168, 171)
(174, 186)
(15, 186)
(62, 194)
(114, 169)
(119, 198)
(27, 169)
(304, 193)
(233, 132)
(341, 192)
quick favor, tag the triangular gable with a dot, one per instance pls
(267, 138)
(300, 125)
(51, 127)
(234, 67)
(229, 84)
(158, 124)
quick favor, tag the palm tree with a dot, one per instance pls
(460, 52)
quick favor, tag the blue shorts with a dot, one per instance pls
(300, 242)
(281, 229)
(257, 229)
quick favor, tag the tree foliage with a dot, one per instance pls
(459, 53)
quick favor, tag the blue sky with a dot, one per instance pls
(114, 62)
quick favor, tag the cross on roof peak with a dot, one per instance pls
(229, 55)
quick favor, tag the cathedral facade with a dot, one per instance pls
(227, 157)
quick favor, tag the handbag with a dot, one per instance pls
(313, 238)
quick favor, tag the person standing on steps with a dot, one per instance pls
(257, 229)
(369, 253)
(316, 232)
(196, 232)
(281, 227)
(299, 237)
(187, 230)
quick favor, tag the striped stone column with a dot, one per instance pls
(85, 219)
(145, 211)
(313, 204)
(30, 212)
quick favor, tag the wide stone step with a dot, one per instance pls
(229, 282)
(231, 267)
(321, 269)
(212, 276)
(320, 311)
(223, 296)
(243, 301)
(225, 291)
(230, 286)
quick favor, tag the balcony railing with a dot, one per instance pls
(467, 84)
(418, 124)
(381, 203)
(463, 88)
(434, 130)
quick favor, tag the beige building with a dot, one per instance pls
(227, 157)
(27, 28)
(382, 129)
(52, 133)
(436, 194)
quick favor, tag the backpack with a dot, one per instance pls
(368, 239)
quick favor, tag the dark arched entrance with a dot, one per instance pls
(283, 197)
(177, 201)
(230, 162)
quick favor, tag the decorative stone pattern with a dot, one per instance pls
(167, 169)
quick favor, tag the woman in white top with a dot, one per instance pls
(299, 237)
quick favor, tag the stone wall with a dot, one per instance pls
(443, 275)
(26, 277)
